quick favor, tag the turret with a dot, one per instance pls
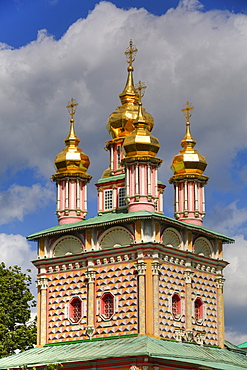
(71, 177)
(188, 179)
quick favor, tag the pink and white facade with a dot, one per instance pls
(189, 202)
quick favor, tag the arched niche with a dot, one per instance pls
(115, 237)
(203, 247)
(67, 245)
(172, 238)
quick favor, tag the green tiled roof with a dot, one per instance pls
(111, 178)
(184, 353)
(114, 218)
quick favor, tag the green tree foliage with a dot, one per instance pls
(16, 301)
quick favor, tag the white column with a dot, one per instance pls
(156, 181)
(111, 158)
(78, 193)
(149, 180)
(203, 198)
(85, 196)
(185, 196)
(58, 195)
(196, 195)
(137, 179)
(176, 198)
(127, 182)
(67, 193)
(114, 197)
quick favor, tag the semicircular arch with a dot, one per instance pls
(203, 247)
(172, 238)
(115, 237)
(67, 245)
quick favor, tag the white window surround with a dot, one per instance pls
(108, 199)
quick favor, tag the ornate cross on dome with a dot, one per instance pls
(72, 105)
(140, 89)
(131, 53)
(186, 110)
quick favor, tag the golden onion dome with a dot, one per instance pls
(188, 161)
(140, 143)
(72, 160)
(120, 122)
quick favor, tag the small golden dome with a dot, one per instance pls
(140, 143)
(188, 161)
(72, 160)
(120, 122)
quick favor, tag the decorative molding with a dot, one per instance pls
(42, 283)
(156, 267)
(90, 274)
(188, 276)
(200, 338)
(179, 334)
(189, 335)
(141, 267)
(220, 282)
(90, 330)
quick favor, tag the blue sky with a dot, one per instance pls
(52, 50)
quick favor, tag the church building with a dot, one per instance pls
(130, 289)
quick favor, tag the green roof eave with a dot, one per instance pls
(113, 218)
(124, 348)
(111, 178)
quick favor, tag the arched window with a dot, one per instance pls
(176, 306)
(75, 310)
(198, 310)
(107, 306)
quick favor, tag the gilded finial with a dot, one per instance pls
(140, 89)
(131, 53)
(72, 105)
(187, 108)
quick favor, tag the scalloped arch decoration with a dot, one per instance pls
(115, 237)
(67, 245)
(172, 238)
(203, 247)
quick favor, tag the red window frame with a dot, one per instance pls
(75, 310)
(107, 306)
(198, 309)
(176, 306)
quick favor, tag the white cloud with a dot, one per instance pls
(18, 201)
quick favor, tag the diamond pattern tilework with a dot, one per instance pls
(204, 286)
(61, 288)
(171, 280)
(120, 280)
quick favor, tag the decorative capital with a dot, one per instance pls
(188, 276)
(42, 283)
(156, 267)
(200, 337)
(141, 267)
(90, 275)
(179, 334)
(90, 331)
(189, 335)
(220, 282)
